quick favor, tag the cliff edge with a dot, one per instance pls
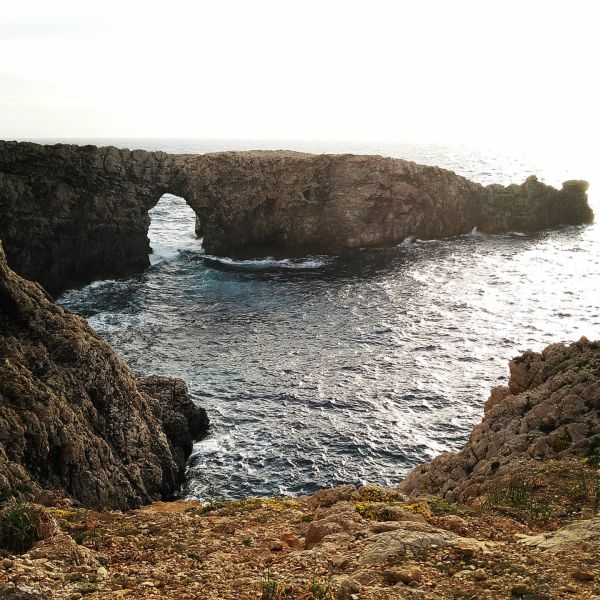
(549, 411)
(74, 418)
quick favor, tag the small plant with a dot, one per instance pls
(21, 526)
(366, 510)
(123, 531)
(212, 505)
(539, 510)
(371, 493)
(593, 460)
(320, 590)
(306, 518)
(495, 497)
(232, 507)
(560, 442)
(21, 491)
(580, 491)
(270, 588)
(517, 492)
(87, 535)
(440, 505)
(419, 508)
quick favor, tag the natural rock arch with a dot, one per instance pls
(71, 214)
(172, 228)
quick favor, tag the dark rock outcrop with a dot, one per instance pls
(71, 214)
(550, 410)
(73, 417)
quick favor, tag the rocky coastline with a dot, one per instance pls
(92, 456)
(73, 214)
(514, 514)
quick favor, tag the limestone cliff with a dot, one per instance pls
(262, 203)
(71, 214)
(550, 410)
(73, 417)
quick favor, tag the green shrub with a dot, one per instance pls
(320, 590)
(593, 459)
(21, 526)
(371, 493)
(539, 510)
(270, 588)
(518, 492)
(560, 442)
(440, 505)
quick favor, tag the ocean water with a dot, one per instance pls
(328, 369)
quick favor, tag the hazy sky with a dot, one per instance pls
(493, 72)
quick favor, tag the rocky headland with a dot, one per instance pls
(72, 214)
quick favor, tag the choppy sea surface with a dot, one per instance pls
(331, 369)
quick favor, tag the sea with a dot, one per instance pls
(323, 370)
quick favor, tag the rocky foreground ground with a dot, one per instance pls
(535, 538)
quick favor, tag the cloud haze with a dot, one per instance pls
(466, 72)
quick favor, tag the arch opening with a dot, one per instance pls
(173, 228)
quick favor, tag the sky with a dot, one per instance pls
(471, 72)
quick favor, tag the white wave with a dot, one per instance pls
(73, 295)
(517, 234)
(162, 254)
(169, 250)
(475, 233)
(212, 444)
(409, 241)
(269, 262)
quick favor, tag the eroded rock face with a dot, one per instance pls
(287, 202)
(74, 418)
(71, 214)
(550, 410)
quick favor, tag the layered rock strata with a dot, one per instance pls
(71, 214)
(549, 411)
(74, 418)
